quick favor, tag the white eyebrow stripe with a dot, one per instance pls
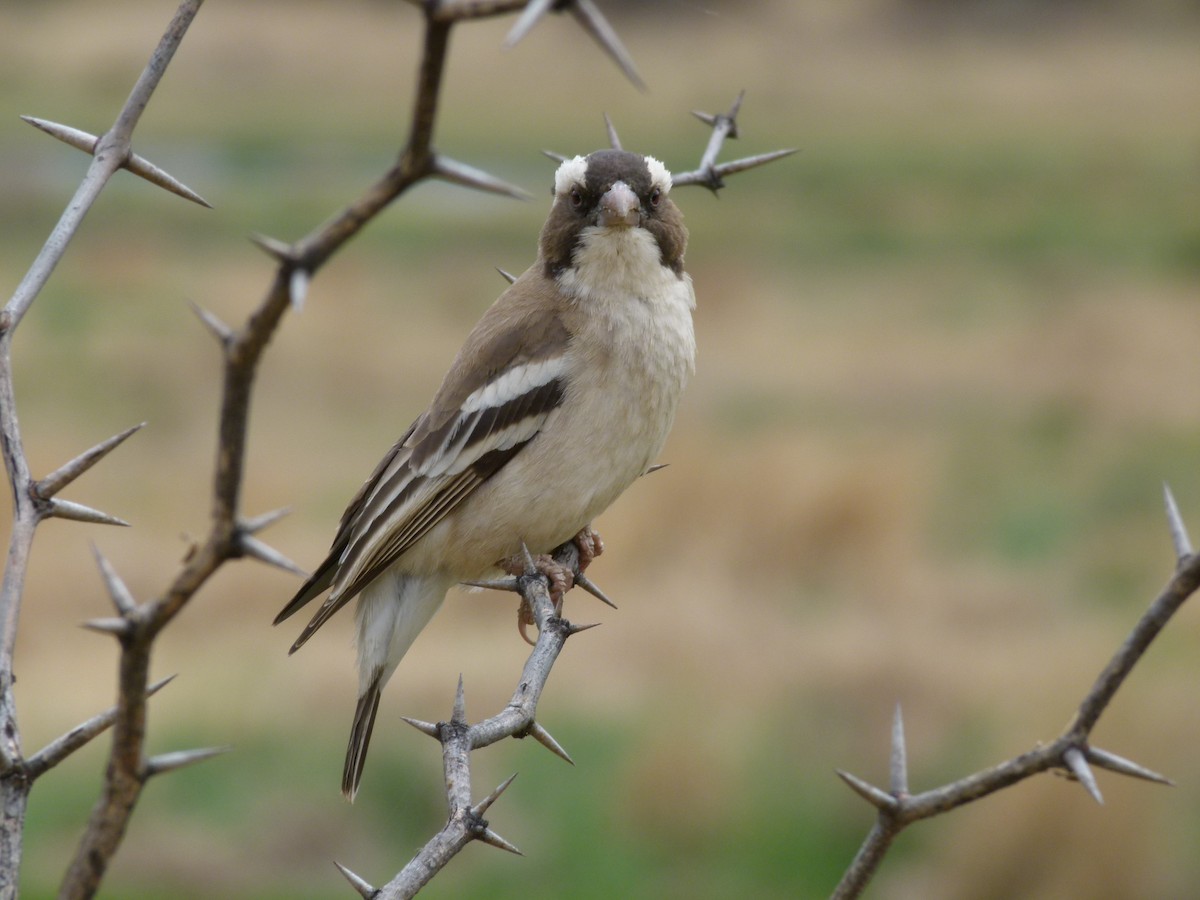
(572, 171)
(660, 176)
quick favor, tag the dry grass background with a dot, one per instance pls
(947, 357)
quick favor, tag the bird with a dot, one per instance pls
(561, 396)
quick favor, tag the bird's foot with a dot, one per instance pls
(589, 544)
(561, 579)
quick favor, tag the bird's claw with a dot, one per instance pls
(561, 579)
(589, 544)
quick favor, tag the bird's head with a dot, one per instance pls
(609, 192)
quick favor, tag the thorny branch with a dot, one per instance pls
(1070, 752)
(232, 536)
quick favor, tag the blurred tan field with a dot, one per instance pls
(948, 356)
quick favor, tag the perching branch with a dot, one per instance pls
(1070, 752)
(465, 822)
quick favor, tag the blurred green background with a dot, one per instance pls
(948, 355)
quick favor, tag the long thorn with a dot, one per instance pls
(110, 625)
(1123, 766)
(873, 795)
(364, 888)
(490, 837)
(1179, 534)
(546, 739)
(279, 250)
(529, 17)
(258, 523)
(899, 761)
(507, 276)
(143, 168)
(77, 512)
(1079, 767)
(592, 588)
(298, 287)
(613, 140)
(483, 805)
(424, 727)
(121, 597)
(222, 332)
(495, 584)
(460, 173)
(459, 715)
(65, 474)
(80, 140)
(588, 15)
(169, 762)
(256, 549)
(572, 628)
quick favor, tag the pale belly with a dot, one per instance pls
(586, 456)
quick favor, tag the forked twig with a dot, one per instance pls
(1070, 752)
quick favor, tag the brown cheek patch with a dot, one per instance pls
(559, 237)
(671, 234)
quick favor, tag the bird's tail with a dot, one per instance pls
(360, 735)
(392, 610)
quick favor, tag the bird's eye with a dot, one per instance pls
(655, 197)
(576, 198)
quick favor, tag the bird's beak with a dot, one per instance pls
(620, 207)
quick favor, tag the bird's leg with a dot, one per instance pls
(561, 578)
